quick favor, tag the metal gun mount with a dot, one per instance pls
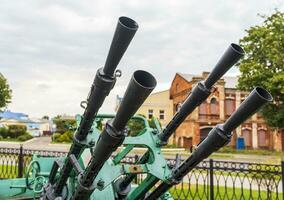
(90, 172)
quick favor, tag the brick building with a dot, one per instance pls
(216, 109)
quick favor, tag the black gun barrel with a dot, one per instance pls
(255, 100)
(199, 94)
(202, 90)
(101, 87)
(105, 78)
(217, 138)
(125, 30)
(231, 56)
(141, 85)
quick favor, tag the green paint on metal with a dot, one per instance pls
(156, 168)
(145, 186)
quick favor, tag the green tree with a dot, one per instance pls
(137, 125)
(263, 64)
(64, 125)
(45, 117)
(5, 92)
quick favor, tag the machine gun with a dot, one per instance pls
(94, 167)
(103, 83)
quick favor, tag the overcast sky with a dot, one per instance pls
(50, 50)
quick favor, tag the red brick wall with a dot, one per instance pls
(190, 128)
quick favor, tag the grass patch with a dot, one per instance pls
(22, 139)
(201, 192)
(8, 171)
(249, 151)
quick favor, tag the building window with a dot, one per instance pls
(162, 114)
(202, 109)
(214, 107)
(150, 114)
(229, 106)
(261, 137)
(247, 136)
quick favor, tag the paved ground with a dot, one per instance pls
(40, 143)
(43, 143)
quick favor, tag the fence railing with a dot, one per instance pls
(211, 179)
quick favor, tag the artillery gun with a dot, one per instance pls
(92, 169)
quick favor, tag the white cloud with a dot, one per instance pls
(50, 50)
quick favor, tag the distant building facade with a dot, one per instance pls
(216, 109)
(157, 105)
(36, 127)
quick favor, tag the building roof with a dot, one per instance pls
(7, 114)
(16, 120)
(230, 81)
(187, 77)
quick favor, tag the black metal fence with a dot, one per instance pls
(211, 179)
(14, 162)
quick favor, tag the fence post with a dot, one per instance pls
(282, 168)
(21, 162)
(136, 157)
(211, 180)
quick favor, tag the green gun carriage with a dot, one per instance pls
(94, 167)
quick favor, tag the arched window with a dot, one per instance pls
(202, 109)
(214, 107)
(229, 106)
(247, 136)
(261, 137)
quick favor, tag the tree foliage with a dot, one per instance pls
(5, 92)
(263, 64)
(64, 125)
(135, 126)
(18, 132)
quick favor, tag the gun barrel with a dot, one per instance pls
(255, 100)
(231, 56)
(105, 79)
(125, 30)
(139, 88)
(218, 137)
(202, 90)
(101, 87)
